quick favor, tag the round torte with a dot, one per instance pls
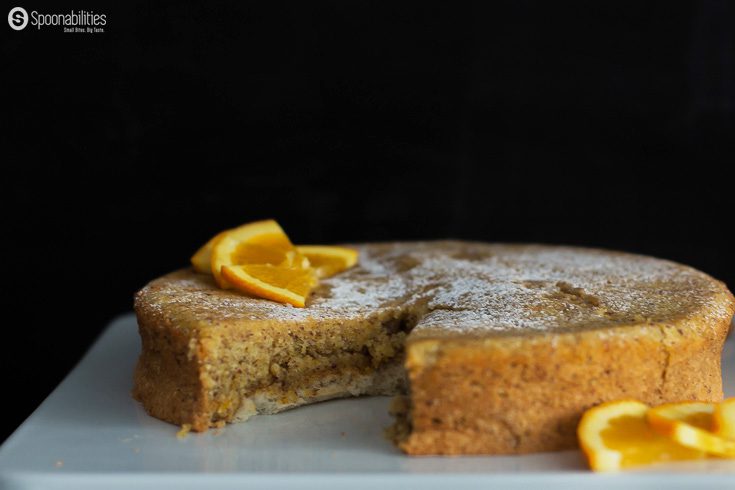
(492, 349)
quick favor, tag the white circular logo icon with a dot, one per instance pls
(18, 18)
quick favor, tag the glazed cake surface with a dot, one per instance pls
(493, 348)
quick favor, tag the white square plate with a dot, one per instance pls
(90, 433)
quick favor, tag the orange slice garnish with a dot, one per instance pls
(259, 259)
(328, 260)
(260, 242)
(723, 419)
(284, 284)
(690, 424)
(257, 243)
(616, 435)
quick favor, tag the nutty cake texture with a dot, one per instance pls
(492, 349)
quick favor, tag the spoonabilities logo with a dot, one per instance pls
(18, 18)
(74, 21)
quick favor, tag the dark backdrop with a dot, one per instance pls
(598, 123)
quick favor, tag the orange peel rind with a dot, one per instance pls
(202, 259)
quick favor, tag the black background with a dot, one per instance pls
(598, 123)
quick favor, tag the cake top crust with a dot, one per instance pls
(456, 288)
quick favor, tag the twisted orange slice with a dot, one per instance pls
(328, 260)
(723, 423)
(260, 242)
(615, 435)
(690, 424)
(258, 258)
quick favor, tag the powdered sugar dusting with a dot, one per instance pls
(461, 287)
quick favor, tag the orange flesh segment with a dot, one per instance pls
(700, 420)
(267, 249)
(298, 281)
(690, 424)
(262, 242)
(640, 445)
(616, 435)
(723, 423)
(329, 260)
(272, 249)
(290, 285)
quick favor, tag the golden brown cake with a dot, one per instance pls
(494, 349)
